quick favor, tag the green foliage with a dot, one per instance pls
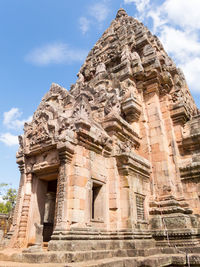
(9, 196)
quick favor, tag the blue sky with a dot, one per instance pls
(45, 41)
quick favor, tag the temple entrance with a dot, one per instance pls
(49, 210)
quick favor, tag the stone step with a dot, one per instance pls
(76, 256)
(113, 262)
(98, 258)
(151, 261)
(173, 250)
(45, 246)
(156, 261)
(81, 245)
(60, 257)
(21, 264)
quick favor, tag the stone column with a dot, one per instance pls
(65, 156)
(114, 195)
(18, 206)
(23, 224)
(166, 212)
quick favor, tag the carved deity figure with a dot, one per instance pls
(126, 54)
(80, 78)
(101, 68)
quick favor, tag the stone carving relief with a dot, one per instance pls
(60, 196)
(82, 110)
(112, 104)
(116, 71)
(124, 147)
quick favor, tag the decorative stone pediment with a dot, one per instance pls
(49, 120)
(82, 109)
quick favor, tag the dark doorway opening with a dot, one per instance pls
(49, 210)
(97, 202)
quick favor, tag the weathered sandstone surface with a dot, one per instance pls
(110, 170)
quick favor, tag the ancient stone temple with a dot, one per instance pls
(111, 168)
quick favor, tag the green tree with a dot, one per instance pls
(9, 196)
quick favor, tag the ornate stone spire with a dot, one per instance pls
(127, 135)
(121, 13)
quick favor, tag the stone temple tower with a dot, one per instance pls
(111, 168)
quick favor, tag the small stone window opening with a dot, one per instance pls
(140, 207)
(97, 202)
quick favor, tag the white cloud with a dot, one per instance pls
(55, 53)
(84, 24)
(140, 4)
(99, 11)
(183, 45)
(184, 13)
(158, 20)
(9, 139)
(1, 199)
(11, 119)
(11, 115)
(191, 70)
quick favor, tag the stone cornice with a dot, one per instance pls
(131, 163)
(169, 205)
(38, 149)
(99, 142)
(115, 125)
(65, 151)
(131, 109)
(190, 172)
(179, 114)
(192, 142)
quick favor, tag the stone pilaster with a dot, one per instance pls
(21, 167)
(23, 223)
(162, 174)
(134, 181)
(17, 211)
(65, 156)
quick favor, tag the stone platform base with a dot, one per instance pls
(160, 260)
(20, 264)
(152, 257)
